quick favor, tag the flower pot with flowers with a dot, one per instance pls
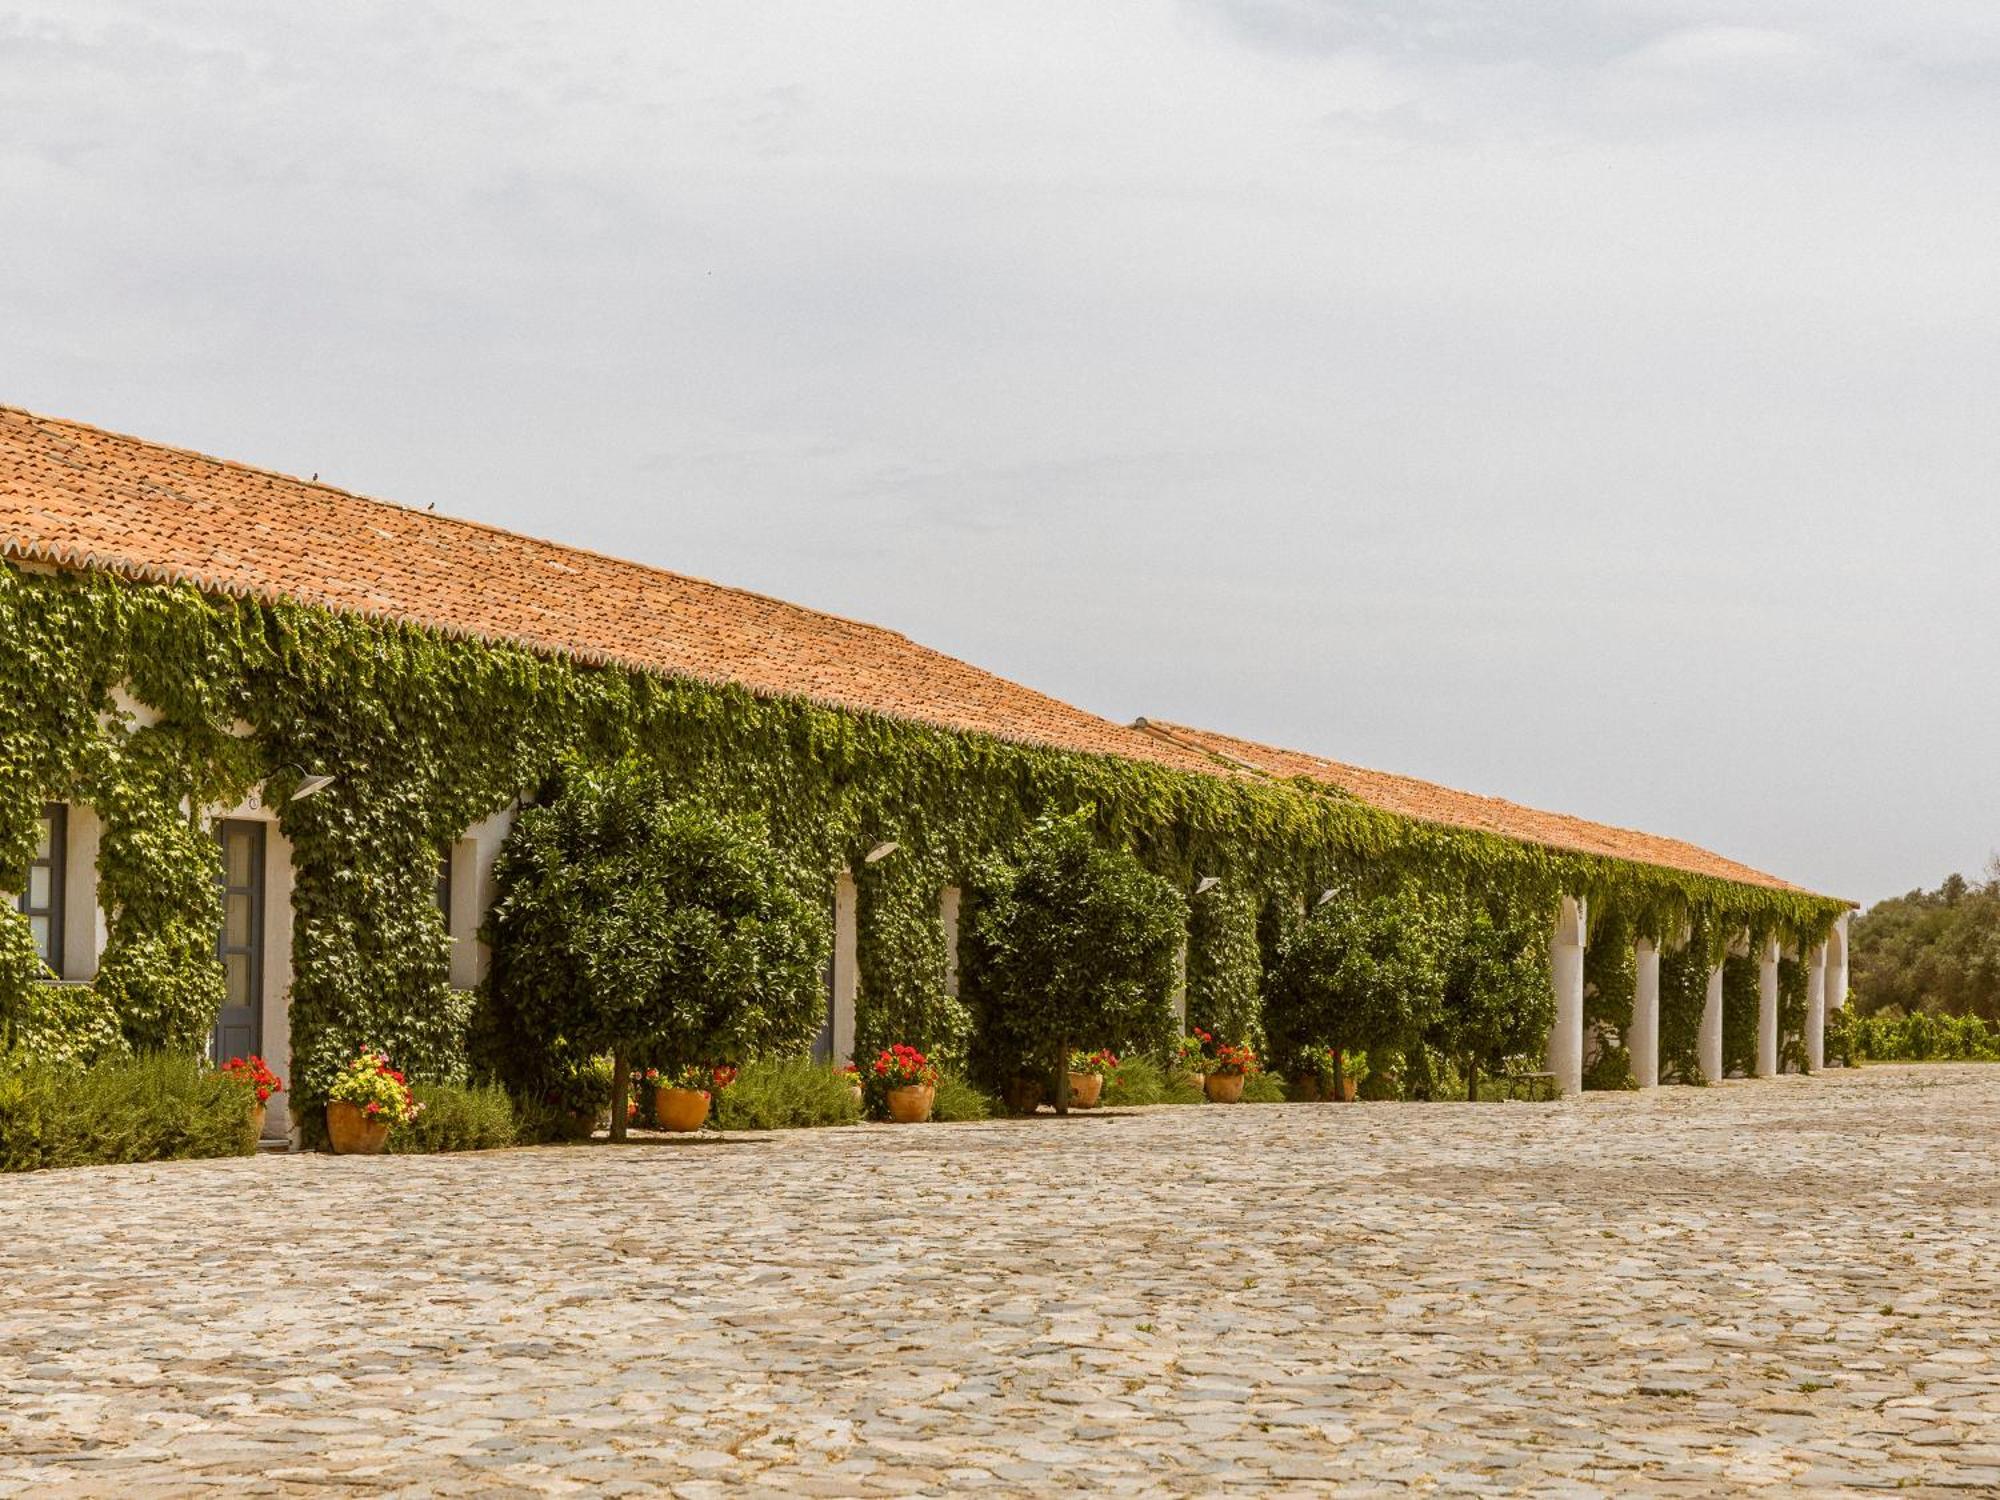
(1227, 1069)
(1314, 1075)
(1191, 1056)
(1087, 1072)
(908, 1081)
(367, 1101)
(852, 1074)
(682, 1102)
(259, 1083)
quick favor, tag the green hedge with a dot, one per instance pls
(1919, 1038)
(152, 1108)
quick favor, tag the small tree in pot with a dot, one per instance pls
(627, 919)
(1079, 948)
(1499, 1001)
(1363, 971)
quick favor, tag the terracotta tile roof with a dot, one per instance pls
(80, 497)
(1440, 804)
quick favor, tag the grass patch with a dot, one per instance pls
(152, 1108)
(457, 1118)
(788, 1094)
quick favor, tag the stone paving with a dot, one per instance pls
(1789, 1283)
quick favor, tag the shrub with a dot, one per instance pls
(151, 1108)
(786, 1094)
(1141, 1081)
(1263, 1088)
(455, 1118)
(959, 1100)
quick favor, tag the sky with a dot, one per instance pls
(1587, 403)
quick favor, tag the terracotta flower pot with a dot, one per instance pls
(1023, 1096)
(1085, 1089)
(681, 1109)
(856, 1091)
(1224, 1088)
(257, 1114)
(352, 1133)
(911, 1104)
(1305, 1089)
(1348, 1084)
(1195, 1081)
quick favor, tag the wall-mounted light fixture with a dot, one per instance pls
(310, 783)
(1325, 896)
(1207, 883)
(880, 852)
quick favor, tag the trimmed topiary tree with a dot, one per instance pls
(628, 920)
(1499, 1000)
(1361, 972)
(1077, 946)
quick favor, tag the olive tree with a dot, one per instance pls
(627, 919)
(1076, 945)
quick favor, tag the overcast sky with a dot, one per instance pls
(1590, 403)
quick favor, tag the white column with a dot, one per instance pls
(1836, 965)
(1816, 1010)
(948, 902)
(84, 929)
(1708, 1043)
(1767, 1009)
(1566, 969)
(1643, 1040)
(846, 972)
(486, 837)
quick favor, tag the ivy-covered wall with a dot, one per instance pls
(426, 734)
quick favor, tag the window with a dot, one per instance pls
(42, 901)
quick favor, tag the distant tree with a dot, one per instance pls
(1934, 952)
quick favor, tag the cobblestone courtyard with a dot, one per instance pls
(1787, 1283)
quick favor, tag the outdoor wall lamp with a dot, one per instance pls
(880, 852)
(1207, 883)
(1325, 896)
(310, 783)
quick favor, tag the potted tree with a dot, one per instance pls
(368, 1100)
(631, 922)
(1078, 946)
(1364, 971)
(1498, 998)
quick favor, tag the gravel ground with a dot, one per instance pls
(1788, 1283)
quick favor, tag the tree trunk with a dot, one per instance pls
(1062, 1078)
(1339, 1073)
(621, 1085)
(1472, 1080)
